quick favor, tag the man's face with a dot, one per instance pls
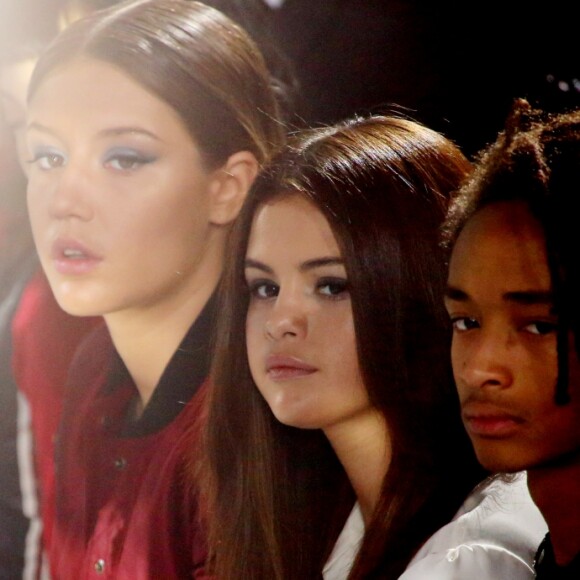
(504, 346)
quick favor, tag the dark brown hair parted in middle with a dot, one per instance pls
(278, 496)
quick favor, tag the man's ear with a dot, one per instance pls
(230, 186)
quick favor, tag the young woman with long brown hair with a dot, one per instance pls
(333, 390)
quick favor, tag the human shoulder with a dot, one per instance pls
(495, 534)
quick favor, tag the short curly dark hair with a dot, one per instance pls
(535, 159)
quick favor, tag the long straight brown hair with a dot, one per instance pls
(277, 495)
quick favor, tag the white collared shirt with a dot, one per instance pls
(495, 534)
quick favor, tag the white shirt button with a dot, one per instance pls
(120, 463)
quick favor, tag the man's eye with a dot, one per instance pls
(464, 323)
(541, 327)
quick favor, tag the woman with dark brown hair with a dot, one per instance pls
(333, 390)
(147, 124)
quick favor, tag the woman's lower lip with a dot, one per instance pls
(75, 266)
(285, 373)
(493, 427)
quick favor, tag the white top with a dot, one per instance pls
(495, 534)
(346, 548)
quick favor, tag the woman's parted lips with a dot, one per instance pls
(71, 249)
(285, 366)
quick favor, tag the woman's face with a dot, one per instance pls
(118, 197)
(300, 331)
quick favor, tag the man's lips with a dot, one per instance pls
(489, 420)
(282, 367)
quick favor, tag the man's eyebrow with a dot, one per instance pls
(524, 297)
(530, 297)
(453, 293)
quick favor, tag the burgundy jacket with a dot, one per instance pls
(43, 341)
(125, 505)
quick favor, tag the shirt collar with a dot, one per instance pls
(185, 373)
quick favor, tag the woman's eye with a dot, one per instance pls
(126, 160)
(263, 289)
(541, 327)
(464, 323)
(332, 287)
(48, 160)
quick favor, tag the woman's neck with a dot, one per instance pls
(147, 338)
(362, 445)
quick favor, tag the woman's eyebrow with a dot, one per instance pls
(250, 263)
(319, 262)
(305, 266)
(116, 131)
(35, 126)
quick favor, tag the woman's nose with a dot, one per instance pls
(70, 196)
(287, 319)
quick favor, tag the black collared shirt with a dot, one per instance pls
(183, 376)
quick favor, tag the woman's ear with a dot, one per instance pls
(230, 186)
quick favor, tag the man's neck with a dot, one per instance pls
(555, 488)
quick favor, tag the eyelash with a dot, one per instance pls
(337, 287)
(464, 319)
(543, 327)
(44, 155)
(135, 159)
(45, 159)
(255, 286)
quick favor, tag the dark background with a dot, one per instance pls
(455, 68)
